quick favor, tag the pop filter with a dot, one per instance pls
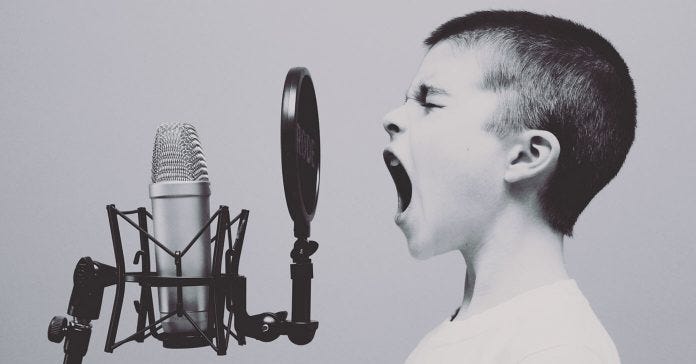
(299, 144)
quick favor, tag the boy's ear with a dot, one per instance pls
(533, 153)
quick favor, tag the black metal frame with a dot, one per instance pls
(217, 282)
(226, 290)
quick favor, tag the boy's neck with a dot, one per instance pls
(520, 253)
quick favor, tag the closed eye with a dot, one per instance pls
(429, 105)
(422, 93)
(423, 103)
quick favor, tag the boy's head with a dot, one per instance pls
(507, 108)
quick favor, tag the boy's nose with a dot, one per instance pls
(392, 124)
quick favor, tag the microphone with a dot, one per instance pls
(180, 194)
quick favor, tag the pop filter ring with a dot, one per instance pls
(300, 148)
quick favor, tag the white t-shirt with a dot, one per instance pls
(553, 324)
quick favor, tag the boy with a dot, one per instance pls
(512, 124)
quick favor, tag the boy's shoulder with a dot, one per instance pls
(558, 320)
(546, 323)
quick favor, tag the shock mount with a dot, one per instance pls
(227, 292)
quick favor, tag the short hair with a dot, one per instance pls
(555, 75)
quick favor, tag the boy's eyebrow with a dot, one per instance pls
(424, 90)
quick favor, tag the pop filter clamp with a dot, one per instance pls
(227, 291)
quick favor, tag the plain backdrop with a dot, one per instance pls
(84, 85)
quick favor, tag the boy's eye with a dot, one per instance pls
(429, 105)
(423, 103)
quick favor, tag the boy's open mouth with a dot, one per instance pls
(400, 177)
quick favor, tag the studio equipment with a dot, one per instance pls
(201, 295)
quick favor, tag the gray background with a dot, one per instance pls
(84, 85)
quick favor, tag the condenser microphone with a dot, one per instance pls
(180, 194)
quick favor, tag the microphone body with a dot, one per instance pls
(180, 210)
(180, 194)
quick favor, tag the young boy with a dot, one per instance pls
(511, 126)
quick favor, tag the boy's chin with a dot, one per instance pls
(421, 249)
(427, 244)
(419, 254)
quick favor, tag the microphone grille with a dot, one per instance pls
(177, 154)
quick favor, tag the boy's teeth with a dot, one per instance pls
(394, 162)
